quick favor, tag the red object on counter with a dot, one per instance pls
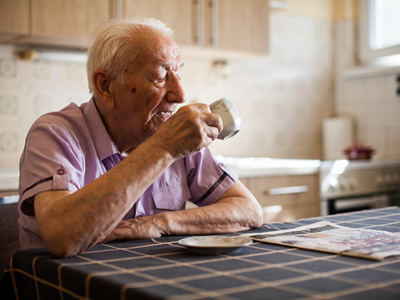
(359, 151)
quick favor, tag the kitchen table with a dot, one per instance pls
(163, 269)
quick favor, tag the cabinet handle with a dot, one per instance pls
(198, 36)
(215, 29)
(287, 190)
(118, 9)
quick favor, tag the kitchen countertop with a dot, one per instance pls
(264, 166)
(245, 167)
(9, 180)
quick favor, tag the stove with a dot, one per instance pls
(355, 185)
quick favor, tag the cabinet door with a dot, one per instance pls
(14, 17)
(286, 198)
(238, 25)
(179, 15)
(68, 18)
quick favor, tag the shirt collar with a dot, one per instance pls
(105, 147)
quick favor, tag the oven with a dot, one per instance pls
(347, 186)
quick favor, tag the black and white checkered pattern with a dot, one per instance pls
(163, 269)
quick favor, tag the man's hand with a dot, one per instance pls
(134, 229)
(190, 129)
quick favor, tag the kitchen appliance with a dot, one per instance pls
(357, 185)
(337, 134)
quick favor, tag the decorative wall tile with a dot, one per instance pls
(10, 146)
(8, 141)
(42, 104)
(77, 97)
(42, 70)
(8, 68)
(9, 105)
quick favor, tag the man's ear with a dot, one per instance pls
(104, 87)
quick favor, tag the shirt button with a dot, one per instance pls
(61, 172)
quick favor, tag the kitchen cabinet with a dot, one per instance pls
(232, 25)
(286, 198)
(236, 25)
(179, 15)
(55, 22)
(69, 18)
(14, 19)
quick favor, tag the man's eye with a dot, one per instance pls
(161, 79)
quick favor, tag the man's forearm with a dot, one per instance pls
(236, 210)
(74, 222)
(227, 215)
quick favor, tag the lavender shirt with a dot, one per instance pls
(66, 150)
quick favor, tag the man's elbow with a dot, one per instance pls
(258, 215)
(60, 245)
(62, 249)
(256, 212)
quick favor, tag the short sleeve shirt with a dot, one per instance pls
(68, 149)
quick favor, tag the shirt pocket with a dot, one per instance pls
(171, 198)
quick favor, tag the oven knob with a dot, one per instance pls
(343, 184)
(388, 180)
(352, 183)
(396, 179)
(332, 188)
(379, 181)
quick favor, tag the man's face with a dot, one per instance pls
(151, 91)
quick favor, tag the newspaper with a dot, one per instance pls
(329, 237)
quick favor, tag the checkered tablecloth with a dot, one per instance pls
(163, 269)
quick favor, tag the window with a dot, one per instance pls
(380, 30)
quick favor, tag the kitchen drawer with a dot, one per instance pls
(286, 198)
(290, 213)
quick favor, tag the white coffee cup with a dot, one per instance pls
(230, 116)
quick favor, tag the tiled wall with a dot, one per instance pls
(282, 97)
(369, 98)
(373, 103)
(30, 89)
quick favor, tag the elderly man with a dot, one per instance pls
(123, 165)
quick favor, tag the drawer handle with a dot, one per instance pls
(287, 190)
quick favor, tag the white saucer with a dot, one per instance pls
(215, 244)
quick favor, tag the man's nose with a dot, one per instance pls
(175, 92)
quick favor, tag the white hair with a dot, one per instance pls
(113, 46)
